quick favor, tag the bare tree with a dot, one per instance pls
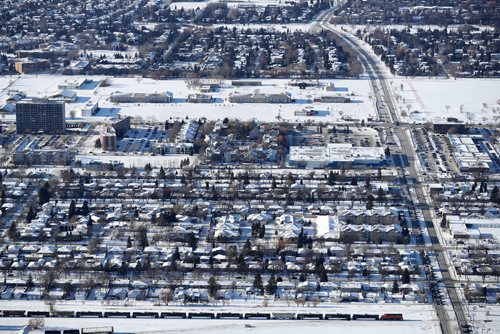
(36, 323)
(166, 296)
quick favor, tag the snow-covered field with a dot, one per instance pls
(358, 90)
(238, 326)
(418, 319)
(413, 27)
(202, 4)
(469, 100)
(420, 99)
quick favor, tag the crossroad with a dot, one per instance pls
(389, 117)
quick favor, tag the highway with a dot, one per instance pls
(387, 113)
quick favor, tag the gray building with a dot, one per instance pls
(40, 115)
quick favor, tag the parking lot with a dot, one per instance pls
(138, 140)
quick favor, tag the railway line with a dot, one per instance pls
(203, 315)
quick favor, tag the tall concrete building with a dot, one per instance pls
(108, 138)
(40, 115)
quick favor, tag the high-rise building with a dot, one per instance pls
(40, 115)
(108, 139)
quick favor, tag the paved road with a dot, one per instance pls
(387, 113)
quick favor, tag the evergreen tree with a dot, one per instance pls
(300, 239)
(31, 215)
(12, 232)
(494, 196)
(406, 277)
(323, 277)
(444, 222)
(331, 178)
(72, 209)
(257, 283)
(142, 238)
(369, 202)
(354, 181)
(380, 195)
(192, 241)
(44, 194)
(395, 287)
(29, 282)
(161, 173)
(271, 286)
(85, 208)
(262, 231)
(213, 287)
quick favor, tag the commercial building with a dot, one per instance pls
(73, 83)
(27, 66)
(333, 99)
(122, 125)
(200, 98)
(307, 111)
(257, 97)
(474, 227)
(336, 156)
(90, 109)
(40, 115)
(241, 83)
(449, 125)
(474, 154)
(44, 157)
(141, 98)
(108, 139)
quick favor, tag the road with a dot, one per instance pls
(387, 113)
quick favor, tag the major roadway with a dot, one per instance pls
(388, 115)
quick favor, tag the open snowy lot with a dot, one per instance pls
(419, 99)
(486, 317)
(418, 319)
(202, 4)
(469, 100)
(359, 91)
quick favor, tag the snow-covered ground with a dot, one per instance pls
(418, 319)
(413, 27)
(239, 326)
(469, 100)
(130, 160)
(203, 4)
(358, 90)
(486, 318)
(419, 99)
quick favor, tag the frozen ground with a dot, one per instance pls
(413, 27)
(469, 100)
(129, 160)
(418, 319)
(420, 99)
(238, 326)
(357, 90)
(486, 318)
(202, 4)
